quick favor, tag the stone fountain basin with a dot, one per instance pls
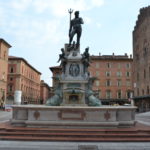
(73, 116)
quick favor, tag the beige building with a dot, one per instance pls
(141, 61)
(23, 77)
(56, 71)
(4, 49)
(44, 92)
(114, 77)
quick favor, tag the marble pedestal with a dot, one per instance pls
(73, 117)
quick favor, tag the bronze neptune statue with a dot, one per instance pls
(75, 27)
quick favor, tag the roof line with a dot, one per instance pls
(2, 40)
(20, 58)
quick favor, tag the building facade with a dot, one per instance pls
(23, 77)
(56, 71)
(113, 74)
(141, 61)
(44, 92)
(4, 49)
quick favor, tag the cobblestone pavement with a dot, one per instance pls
(15, 145)
(5, 115)
(143, 118)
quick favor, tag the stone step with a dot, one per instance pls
(76, 139)
(119, 130)
(74, 134)
(133, 134)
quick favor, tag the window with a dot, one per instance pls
(11, 70)
(128, 74)
(144, 74)
(137, 76)
(128, 94)
(119, 94)
(137, 57)
(97, 82)
(108, 94)
(145, 51)
(137, 91)
(5, 55)
(10, 88)
(22, 69)
(108, 65)
(128, 65)
(119, 65)
(119, 83)
(11, 78)
(99, 93)
(97, 73)
(108, 73)
(97, 65)
(108, 83)
(128, 83)
(142, 91)
(57, 74)
(90, 74)
(147, 90)
(119, 74)
(149, 71)
(3, 76)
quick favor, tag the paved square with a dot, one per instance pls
(87, 147)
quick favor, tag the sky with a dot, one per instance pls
(38, 29)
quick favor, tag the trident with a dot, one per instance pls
(70, 12)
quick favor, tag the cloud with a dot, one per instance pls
(1, 15)
(87, 20)
(98, 25)
(36, 32)
(34, 26)
(58, 7)
(20, 5)
(41, 5)
(23, 26)
(97, 2)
